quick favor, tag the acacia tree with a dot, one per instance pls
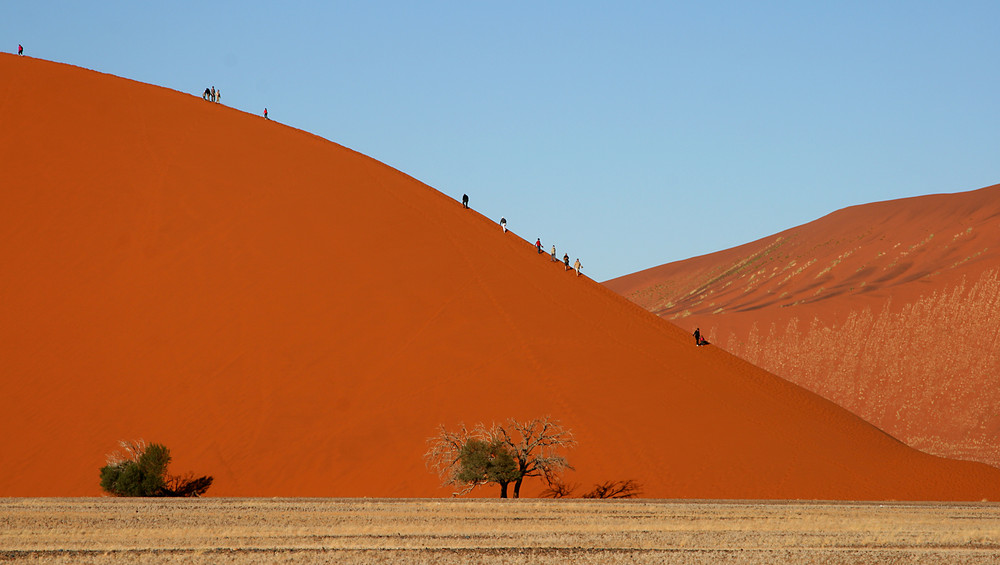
(502, 454)
(537, 444)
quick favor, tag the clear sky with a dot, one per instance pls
(629, 134)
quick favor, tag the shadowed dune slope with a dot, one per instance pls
(890, 309)
(296, 319)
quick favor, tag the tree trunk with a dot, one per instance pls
(517, 487)
(503, 490)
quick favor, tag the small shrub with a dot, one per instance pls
(615, 489)
(141, 470)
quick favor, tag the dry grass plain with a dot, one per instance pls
(219, 530)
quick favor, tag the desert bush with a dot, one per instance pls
(559, 489)
(141, 470)
(615, 489)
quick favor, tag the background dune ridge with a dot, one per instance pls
(889, 309)
(296, 319)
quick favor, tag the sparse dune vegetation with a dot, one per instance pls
(916, 370)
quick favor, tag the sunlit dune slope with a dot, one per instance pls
(890, 309)
(296, 319)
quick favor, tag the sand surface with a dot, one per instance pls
(890, 309)
(111, 531)
(296, 319)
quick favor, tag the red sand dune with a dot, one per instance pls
(891, 310)
(296, 319)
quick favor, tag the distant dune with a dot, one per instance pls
(296, 319)
(891, 310)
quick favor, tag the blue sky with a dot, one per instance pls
(629, 134)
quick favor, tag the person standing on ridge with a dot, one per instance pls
(554, 258)
(218, 96)
(503, 224)
(577, 265)
(697, 336)
(20, 49)
(265, 114)
(565, 261)
(538, 245)
(465, 201)
(213, 94)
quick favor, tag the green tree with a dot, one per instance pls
(141, 470)
(503, 454)
(487, 461)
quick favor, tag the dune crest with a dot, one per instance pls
(296, 319)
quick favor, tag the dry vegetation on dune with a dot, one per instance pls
(458, 531)
(905, 369)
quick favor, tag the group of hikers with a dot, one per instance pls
(212, 95)
(577, 265)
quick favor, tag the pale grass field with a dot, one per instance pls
(218, 530)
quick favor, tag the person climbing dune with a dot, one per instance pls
(538, 245)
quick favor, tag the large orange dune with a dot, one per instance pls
(296, 319)
(890, 309)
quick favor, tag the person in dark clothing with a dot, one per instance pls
(20, 49)
(538, 245)
(566, 261)
(465, 201)
(697, 336)
(503, 224)
(265, 114)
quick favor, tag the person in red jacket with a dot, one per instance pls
(20, 49)
(538, 245)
